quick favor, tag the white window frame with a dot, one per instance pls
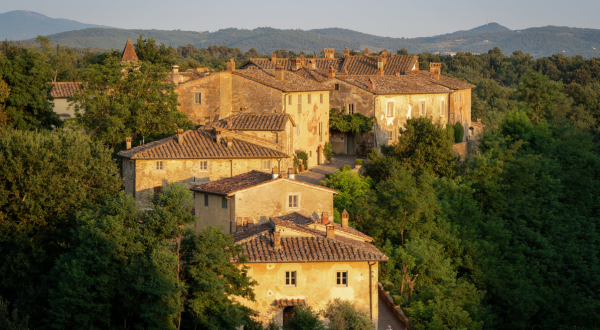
(387, 109)
(160, 165)
(198, 98)
(289, 201)
(203, 166)
(291, 278)
(341, 277)
(268, 163)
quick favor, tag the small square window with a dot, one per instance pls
(293, 201)
(160, 166)
(290, 278)
(206, 200)
(266, 165)
(390, 109)
(309, 99)
(321, 96)
(197, 98)
(204, 165)
(350, 109)
(337, 87)
(224, 202)
(342, 279)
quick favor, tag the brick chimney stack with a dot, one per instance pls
(180, 136)
(279, 73)
(297, 64)
(346, 52)
(435, 69)
(325, 218)
(273, 57)
(230, 65)
(250, 224)
(380, 62)
(313, 64)
(330, 227)
(345, 217)
(229, 142)
(275, 172)
(218, 136)
(175, 69)
(329, 53)
(331, 72)
(315, 55)
(277, 240)
(291, 174)
(128, 143)
(380, 72)
(366, 51)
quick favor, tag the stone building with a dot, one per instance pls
(61, 91)
(254, 197)
(193, 157)
(300, 259)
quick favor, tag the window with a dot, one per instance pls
(157, 189)
(299, 108)
(422, 109)
(160, 165)
(342, 279)
(197, 98)
(337, 87)
(390, 136)
(320, 127)
(321, 98)
(266, 165)
(442, 107)
(290, 100)
(350, 109)
(293, 201)
(309, 98)
(390, 109)
(204, 165)
(290, 278)
(206, 200)
(224, 202)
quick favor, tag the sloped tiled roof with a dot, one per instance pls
(253, 122)
(403, 84)
(228, 185)
(303, 220)
(312, 74)
(445, 80)
(184, 77)
(128, 52)
(291, 82)
(63, 90)
(199, 144)
(290, 302)
(287, 63)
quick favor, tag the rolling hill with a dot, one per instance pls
(21, 24)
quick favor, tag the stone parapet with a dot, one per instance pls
(389, 301)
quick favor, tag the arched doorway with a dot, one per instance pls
(288, 313)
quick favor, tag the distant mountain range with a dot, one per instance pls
(22, 24)
(541, 41)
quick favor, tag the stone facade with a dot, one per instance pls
(460, 109)
(251, 96)
(215, 97)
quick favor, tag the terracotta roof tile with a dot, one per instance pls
(403, 84)
(445, 80)
(200, 144)
(253, 122)
(290, 302)
(128, 52)
(291, 83)
(303, 220)
(287, 63)
(63, 90)
(228, 185)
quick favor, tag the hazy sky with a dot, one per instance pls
(383, 18)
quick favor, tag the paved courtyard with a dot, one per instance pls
(317, 173)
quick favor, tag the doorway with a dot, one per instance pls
(319, 157)
(350, 143)
(288, 313)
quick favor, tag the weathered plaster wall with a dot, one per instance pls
(128, 175)
(255, 97)
(316, 282)
(405, 107)
(216, 97)
(349, 94)
(214, 214)
(460, 109)
(63, 109)
(271, 200)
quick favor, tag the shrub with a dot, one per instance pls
(304, 319)
(459, 132)
(345, 168)
(328, 151)
(301, 158)
(342, 315)
(359, 162)
(322, 183)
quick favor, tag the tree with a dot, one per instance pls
(540, 94)
(11, 321)
(60, 61)
(304, 319)
(350, 186)
(4, 92)
(343, 315)
(148, 51)
(28, 105)
(45, 179)
(119, 100)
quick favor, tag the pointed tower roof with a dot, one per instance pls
(129, 53)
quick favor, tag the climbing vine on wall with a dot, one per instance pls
(355, 123)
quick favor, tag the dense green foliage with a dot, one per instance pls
(350, 186)
(338, 315)
(120, 100)
(355, 123)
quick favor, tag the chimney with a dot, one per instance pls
(230, 65)
(346, 52)
(380, 72)
(180, 136)
(297, 64)
(273, 57)
(371, 84)
(313, 65)
(397, 73)
(329, 53)
(275, 172)
(330, 227)
(366, 51)
(380, 62)
(479, 121)
(175, 69)
(239, 224)
(315, 55)
(277, 240)
(245, 221)
(435, 69)
(291, 174)
(331, 72)
(128, 143)
(229, 142)
(325, 218)
(218, 137)
(250, 224)
(279, 72)
(345, 217)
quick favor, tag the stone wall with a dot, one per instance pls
(460, 109)
(255, 97)
(214, 214)
(362, 100)
(389, 301)
(216, 97)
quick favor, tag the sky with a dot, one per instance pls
(386, 18)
